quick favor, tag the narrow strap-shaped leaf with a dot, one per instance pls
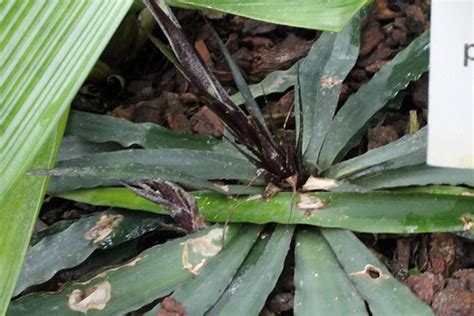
(72, 246)
(276, 81)
(49, 48)
(407, 66)
(417, 175)
(154, 273)
(255, 284)
(73, 147)
(90, 177)
(374, 212)
(312, 14)
(322, 73)
(135, 164)
(387, 156)
(200, 293)
(50, 230)
(244, 89)
(103, 128)
(322, 287)
(383, 293)
(439, 189)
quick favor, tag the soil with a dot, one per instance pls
(438, 268)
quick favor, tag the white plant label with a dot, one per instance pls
(451, 102)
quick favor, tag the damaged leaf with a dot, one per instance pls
(95, 298)
(103, 228)
(70, 247)
(308, 204)
(350, 210)
(384, 294)
(156, 273)
(205, 246)
(198, 294)
(315, 183)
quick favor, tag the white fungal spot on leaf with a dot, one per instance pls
(315, 183)
(103, 228)
(208, 245)
(308, 204)
(329, 82)
(205, 246)
(94, 298)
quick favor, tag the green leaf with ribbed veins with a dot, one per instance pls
(416, 175)
(256, 283)
(154, 273)
(383, 293)
(374, 212)
(411, 146)
(70, 247)
(18, 213)
(312, 14)
(103, 128)
(361, 106)
(50, 48)
(199, 294)
(322, 287)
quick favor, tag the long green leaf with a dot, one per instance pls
(321, 74)
(312, 14)
(417, 175)
(73, 147)
(70, 247)
(375, 212)
(389, 156)
(49, 49)
(407, 66)
(322, 286)
(18, 213)
(255, 284)
(383, 293)
(154, 273)
(200, 293)
(190, 167)
(103, 128)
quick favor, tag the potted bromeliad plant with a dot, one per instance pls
(240, 202)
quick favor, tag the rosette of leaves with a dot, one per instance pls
(308, 192)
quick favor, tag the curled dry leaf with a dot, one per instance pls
(94, 298)
(103, 228)
(315, 183)
(308, 204)
(373, 272)
(206, 246)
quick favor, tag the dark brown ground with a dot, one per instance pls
(439, 268)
